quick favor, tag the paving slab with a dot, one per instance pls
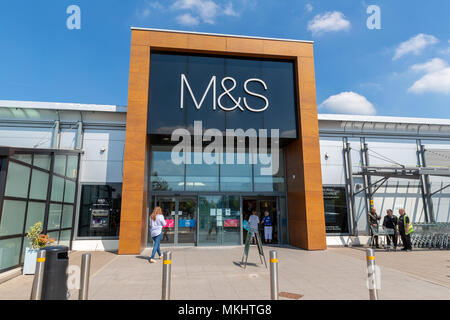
(216, 273)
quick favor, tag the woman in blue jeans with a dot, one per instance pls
(157, 222)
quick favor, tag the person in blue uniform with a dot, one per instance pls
(267, 221)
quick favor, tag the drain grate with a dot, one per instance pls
(289, 295)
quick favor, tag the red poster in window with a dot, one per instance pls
(170, 223)
(231, 223)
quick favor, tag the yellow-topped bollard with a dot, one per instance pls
(167, 265)
(273, 275)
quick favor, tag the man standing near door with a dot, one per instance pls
(267, 222)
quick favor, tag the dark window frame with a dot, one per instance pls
(5, 159)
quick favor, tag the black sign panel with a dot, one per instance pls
(336, 218)
(222, 92)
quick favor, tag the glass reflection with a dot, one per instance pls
(201, 177)
(165, 175)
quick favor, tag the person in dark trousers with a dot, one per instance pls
(373, 221)
(390, 221)
(405, 229)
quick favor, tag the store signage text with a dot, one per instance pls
(239, 102)
(216, 153)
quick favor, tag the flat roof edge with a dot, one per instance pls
(61, 106)
(382, 119)
(221, 35)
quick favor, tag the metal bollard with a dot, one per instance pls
(371, 274)
(36, 290)
(167, 265)
(273, 275)
(85, 274)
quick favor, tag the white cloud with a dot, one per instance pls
(447, 50)
(415, 45)
(349, 103)
(436, 79)
(328, 22)
(229, 10)
(187, 20)
(309, 7)
(433, 65)
(205, 10)
(144, 13)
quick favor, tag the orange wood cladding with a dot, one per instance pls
(306, 217)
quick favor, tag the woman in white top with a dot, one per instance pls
(157, 222)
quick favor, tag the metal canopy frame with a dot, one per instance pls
(421, 173)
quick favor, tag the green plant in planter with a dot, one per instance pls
(37, 239)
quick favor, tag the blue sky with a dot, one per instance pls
(402, 69)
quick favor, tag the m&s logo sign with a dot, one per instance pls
(239, 102)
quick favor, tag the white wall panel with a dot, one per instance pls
(26, 137)
(332, 168)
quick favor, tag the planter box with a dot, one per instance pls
(29, 263)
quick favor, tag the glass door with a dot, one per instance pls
(168, 207)
(181, 216)
(262, 205)
(219, 220)
(185, 221)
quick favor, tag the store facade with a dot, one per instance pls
(225, 98)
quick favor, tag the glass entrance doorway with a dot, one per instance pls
(262, 205)
(180, 214)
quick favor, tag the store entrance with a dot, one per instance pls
(180, 214)
(262, 205)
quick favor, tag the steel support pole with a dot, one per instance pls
(36, 290)
(425, 184)
(349, 186)
(79, 139)
(85, 275)
(56, 133)
(366, 176)
(273, 275)
(167, 265)
(371, 274)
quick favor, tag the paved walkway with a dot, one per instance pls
(216, 273)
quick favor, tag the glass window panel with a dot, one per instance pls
(42, 161)
(17, 180)
(237, 176)
(23, 157)
(100, 210)
(166, 176)
(26, 244)
(69, 192)
(67, 217)
(283, 221)
(39, 185)
(269, 183)
(54, 216)
(13, 217)
(57, 189)
(9, 252)
(36, 213)
(64, 238)
(72, 167)
(201, 177)
(60, 164)
(54, 235)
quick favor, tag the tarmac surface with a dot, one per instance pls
(216, 273)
